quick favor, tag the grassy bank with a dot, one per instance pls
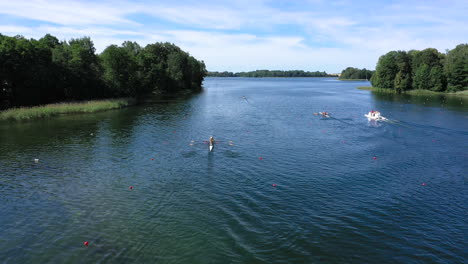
(460, 93)
(369, 88)
(46, 111)
(415, 92)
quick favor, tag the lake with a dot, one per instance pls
(282, 185)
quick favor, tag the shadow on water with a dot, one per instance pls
(168, 98)
(62, 128)
(448, 101)
(82, 128)
(75, 124)
(189, 154)
(231, 154)
(169, 106)
(210, 162)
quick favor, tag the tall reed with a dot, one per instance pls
(46, 111)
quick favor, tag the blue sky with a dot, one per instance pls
(247, 35)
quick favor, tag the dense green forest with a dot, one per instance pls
(351, 73)
(268, 73)
(426, 69)
(34, 72)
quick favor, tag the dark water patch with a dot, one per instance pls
(231, 154)
(446, 101)
(189, 154)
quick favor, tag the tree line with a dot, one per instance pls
(34, 72)
(426, 69)
(351, 73)
(268, 73)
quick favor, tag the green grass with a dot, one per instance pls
(423, 92)
(460, 93)
(415, 92)
(368, 88)
(50, 110)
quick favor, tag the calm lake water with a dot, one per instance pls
(281, 185)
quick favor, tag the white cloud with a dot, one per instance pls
(13, 29)
(251, 34)
(65, 12)
(214, 18)
(244, 52)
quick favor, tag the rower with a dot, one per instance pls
(211, 143)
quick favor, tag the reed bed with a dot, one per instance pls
(415, 92)
(50, 110)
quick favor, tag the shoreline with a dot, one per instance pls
(462, 94)
(271, 77)
(56, 109)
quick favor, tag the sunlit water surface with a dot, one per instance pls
(281, 186)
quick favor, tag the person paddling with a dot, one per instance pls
(211, 141)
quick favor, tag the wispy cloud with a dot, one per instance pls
(66, 12)
(208, 18)
(247, 35)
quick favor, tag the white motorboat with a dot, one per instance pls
(375, 115)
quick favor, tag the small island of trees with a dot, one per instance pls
(37, 72)
(351, 73)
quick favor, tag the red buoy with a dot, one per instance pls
(86, 243)
(374, 158)
(152, 158)
(424, 184)
(260, 158)
(131, 187)
(274, 185)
